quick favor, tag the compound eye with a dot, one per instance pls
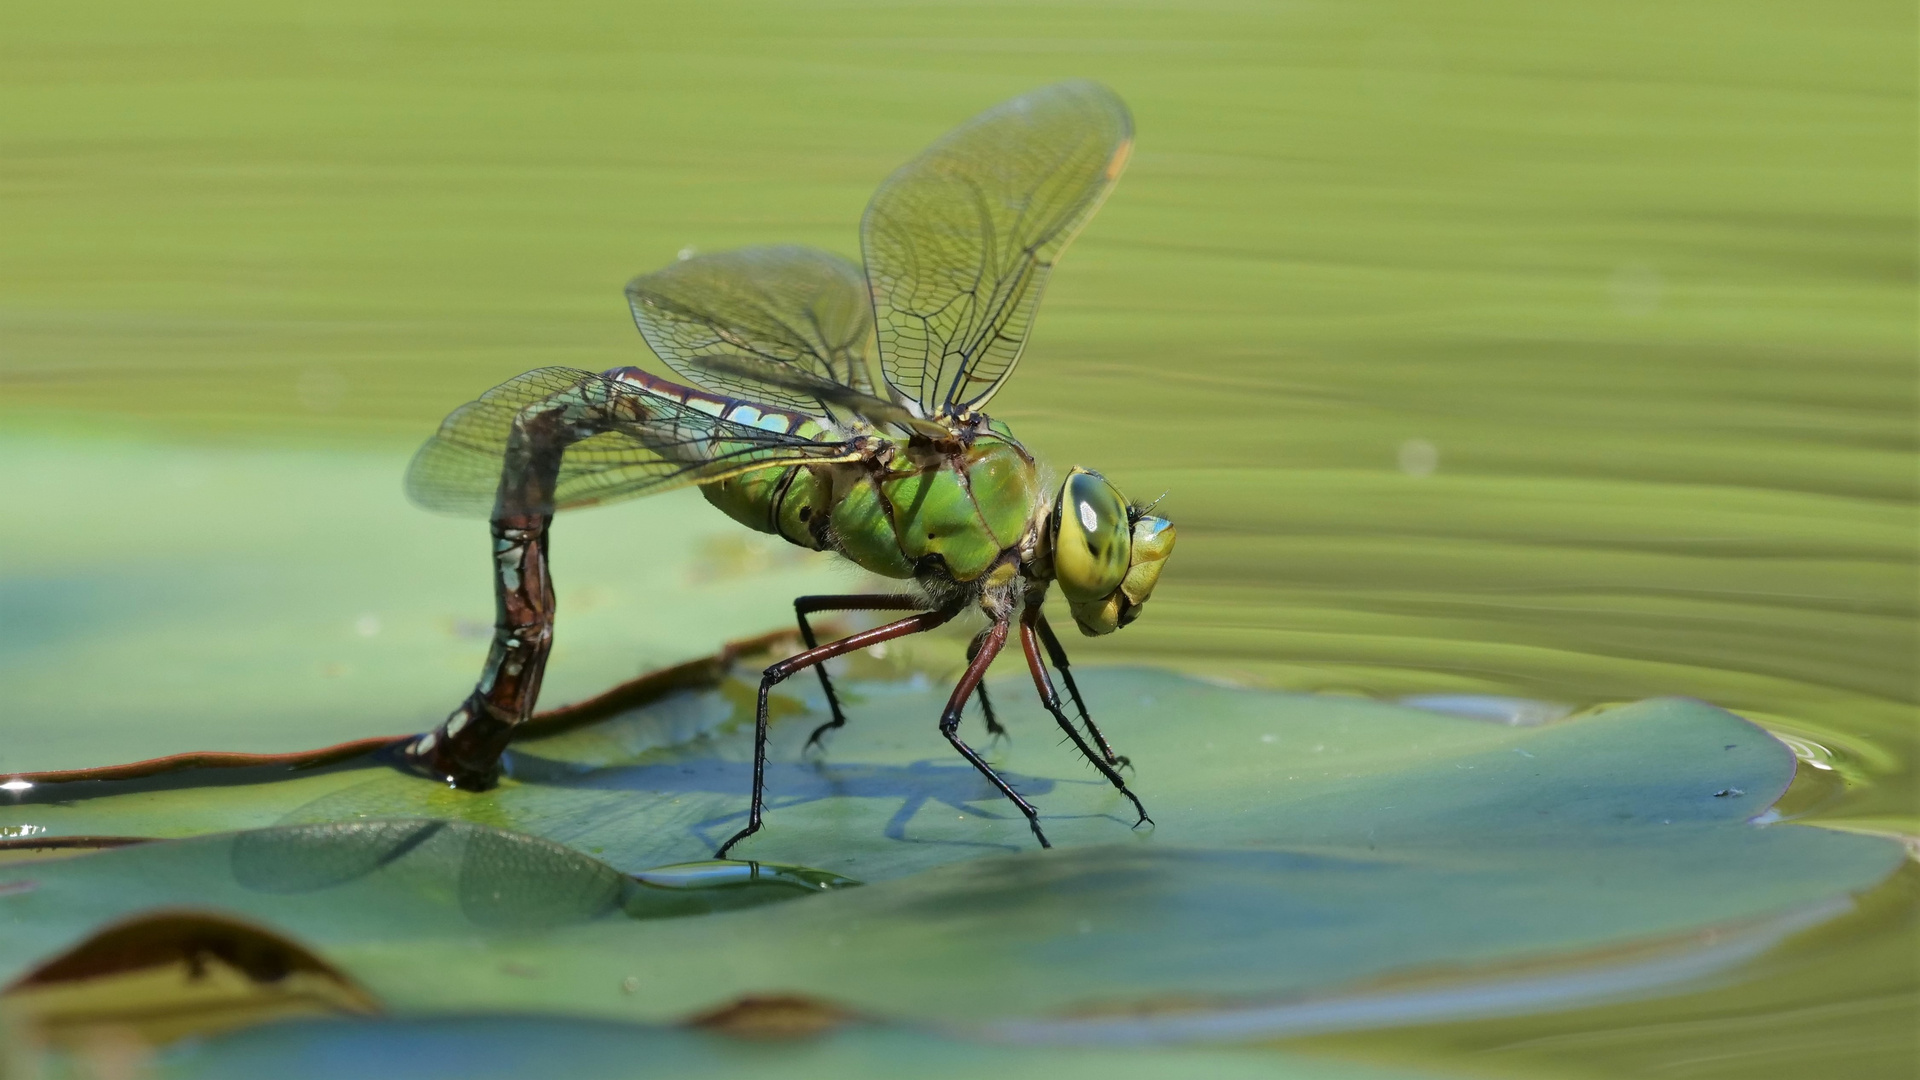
(1092, 540)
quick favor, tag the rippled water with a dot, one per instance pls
(1564, 353)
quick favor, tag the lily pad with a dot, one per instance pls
(887, 797)
(1306, 849)
(301, 601)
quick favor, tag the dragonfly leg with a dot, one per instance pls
(990, 644)
(1051, 699)
(1058, 655)
(774, 675)
(807, 605)
(465, 749)
(994, 730)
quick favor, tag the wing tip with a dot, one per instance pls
(439, 481)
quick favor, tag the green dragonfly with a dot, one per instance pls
(787, 430)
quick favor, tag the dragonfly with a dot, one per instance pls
(839, 407)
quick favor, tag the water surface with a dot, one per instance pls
(1562, 352)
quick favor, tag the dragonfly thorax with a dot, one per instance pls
(967, 517)
(944, 514)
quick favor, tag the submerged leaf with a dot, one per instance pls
(268, 627)
(773, 1016)
(165, 975)
(515, 1047)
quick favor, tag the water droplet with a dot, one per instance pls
(1637, 289)
(1419, 458)
(724, 885)
(320, 389)
(1512, 711)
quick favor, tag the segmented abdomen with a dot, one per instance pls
(739, 410)
(782, 500)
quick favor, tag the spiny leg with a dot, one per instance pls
(1058, 655)
(912, 624)
(807, 605)
(996, 636)
(994, 730)
(1051, 699)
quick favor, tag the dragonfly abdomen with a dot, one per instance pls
(782, 501)
(798, 505)
(739, 410)
(955, 516)
(791, 503)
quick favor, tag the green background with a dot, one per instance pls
(1635, 280)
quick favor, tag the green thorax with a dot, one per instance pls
(968, 507)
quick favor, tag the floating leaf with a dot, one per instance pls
(1216, 766)
(308, 603)
(1309, 850)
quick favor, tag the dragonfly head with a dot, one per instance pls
(1107, 554)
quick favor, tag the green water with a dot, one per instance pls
(1564, 351)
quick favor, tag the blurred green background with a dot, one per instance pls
(1565, 351)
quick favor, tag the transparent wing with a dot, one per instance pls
(615, 441)
(790, 306)
(959, 241)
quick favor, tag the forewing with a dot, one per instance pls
(620, 442)
(792, 306)
(959, 241)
